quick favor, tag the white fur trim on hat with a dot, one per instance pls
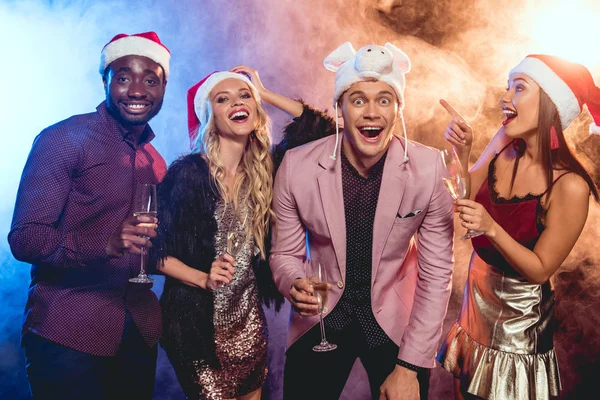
(386, 63)
(135, 46)
(594, 129)
(559, 92)
(201, 98)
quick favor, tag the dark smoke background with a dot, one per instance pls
(461, 50)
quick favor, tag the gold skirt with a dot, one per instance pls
(501, 348)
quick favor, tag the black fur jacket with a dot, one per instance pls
(186, 206)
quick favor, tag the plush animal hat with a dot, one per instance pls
(386, 63)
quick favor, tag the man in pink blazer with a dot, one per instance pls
(374, 212)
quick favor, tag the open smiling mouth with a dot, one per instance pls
(370, 132)
(136, 108)
(239, 116)
(510, 115)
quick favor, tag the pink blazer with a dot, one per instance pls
(412, 256)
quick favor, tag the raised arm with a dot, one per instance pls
(460, 135)
(308, 124)
(293, 107)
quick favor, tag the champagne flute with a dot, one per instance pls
(144, 205)
(233, 243)
(317, 278)
(455, 182)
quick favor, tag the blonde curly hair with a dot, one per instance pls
(257, 170)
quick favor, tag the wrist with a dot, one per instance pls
(266, 95)
(408, 367)
(201, 281)
(491, 233)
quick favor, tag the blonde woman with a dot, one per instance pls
(215, 211)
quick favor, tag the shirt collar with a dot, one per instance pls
(375, 171)
(117, 127)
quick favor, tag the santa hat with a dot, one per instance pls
(197, 99)
(145, 44)
(569, 86)
(385, 63)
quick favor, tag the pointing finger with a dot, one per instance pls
(451, 110)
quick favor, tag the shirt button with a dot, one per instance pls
(340, 284)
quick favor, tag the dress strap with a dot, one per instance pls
(556, 180)
(505, 147)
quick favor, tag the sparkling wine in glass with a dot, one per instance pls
(455, 182)
(144, 205)
(317, 278)
(234, 244)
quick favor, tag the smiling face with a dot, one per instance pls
(370, 110)
(135, 87)
(521, 106)
(234, 108)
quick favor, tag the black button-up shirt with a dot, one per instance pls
(360, 203)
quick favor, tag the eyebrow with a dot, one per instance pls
(127, 69)
(360, 92)
(520, 79)
(230, 91)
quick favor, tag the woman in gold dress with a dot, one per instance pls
(212, 243)
(529, 195)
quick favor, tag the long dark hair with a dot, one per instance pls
(561, 158)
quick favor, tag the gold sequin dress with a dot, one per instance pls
(239, 321)
(502, 348)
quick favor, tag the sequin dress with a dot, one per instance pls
(502, 348)
(239, 322)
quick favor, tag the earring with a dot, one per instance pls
(554, 143)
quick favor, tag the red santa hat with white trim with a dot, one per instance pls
(197, 100)
(145, 44)
(569, 86)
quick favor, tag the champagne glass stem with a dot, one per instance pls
(142, 261)
(323, 338)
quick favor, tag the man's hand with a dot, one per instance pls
(303, 301)
(401, 384)
(133, 234)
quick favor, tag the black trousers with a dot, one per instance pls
(57, 372)
(322, 376)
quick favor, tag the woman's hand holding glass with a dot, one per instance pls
(221, 272)
(475, 218)
(456, 183)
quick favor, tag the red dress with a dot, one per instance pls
(501, 346)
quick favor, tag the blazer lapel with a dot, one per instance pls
(332, 199)
(393, 183)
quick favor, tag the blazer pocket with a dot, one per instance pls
(407, 222)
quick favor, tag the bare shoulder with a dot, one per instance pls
(571, 187)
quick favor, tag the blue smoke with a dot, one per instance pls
(49, 71)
